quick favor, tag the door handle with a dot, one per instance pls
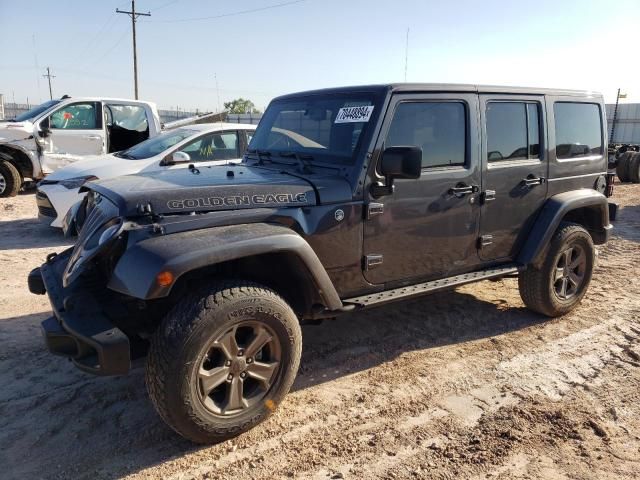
(93, 137)
(532, 181)
(460, 190)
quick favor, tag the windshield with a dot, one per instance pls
(327, 128)
(35, 111)
(156, 145)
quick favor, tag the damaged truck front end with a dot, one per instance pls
(136, 256)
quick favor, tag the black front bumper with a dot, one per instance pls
(45, 208)
(78, 329)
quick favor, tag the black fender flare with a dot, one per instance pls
(179, 253)
(552, 214)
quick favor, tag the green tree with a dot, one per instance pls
(240, 105)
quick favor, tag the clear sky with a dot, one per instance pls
(307, 44)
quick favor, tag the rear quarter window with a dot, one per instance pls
(578, 129)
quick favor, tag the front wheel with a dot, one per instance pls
(222, 360)
(10, 179)
(560, 283)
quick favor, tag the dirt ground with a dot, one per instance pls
(465, 384)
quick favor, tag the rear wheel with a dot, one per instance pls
(622, 169)
(560, 283)
(10, 179)
(634, 168)
(222, 360)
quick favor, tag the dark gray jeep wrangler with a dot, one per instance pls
(346, 199)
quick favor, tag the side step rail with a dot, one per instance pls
(410, 291)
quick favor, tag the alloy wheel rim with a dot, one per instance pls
(570, 272)
(3, 184)
(238, 368)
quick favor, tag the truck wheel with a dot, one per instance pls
(560, 283)
(222, 360)
(10, 179)
(634, 168)
(622, 169)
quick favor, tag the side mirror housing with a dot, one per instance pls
(398, 162)
(401, 162)
(177, 157)
(45, 127)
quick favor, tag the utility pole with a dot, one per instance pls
(134, 16)
(49, 76)
(406, 56)
(215, 76)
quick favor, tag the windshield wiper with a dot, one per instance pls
(125, 155)
(260, 154)
(302, 159)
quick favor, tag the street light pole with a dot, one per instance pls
(134, 16)
(615, 115)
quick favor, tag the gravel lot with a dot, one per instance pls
(465, 384)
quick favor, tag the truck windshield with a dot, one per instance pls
(156, 145)
(323, 128)
(35, 111)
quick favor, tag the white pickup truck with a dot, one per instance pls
(65, 130)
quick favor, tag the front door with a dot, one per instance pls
(427, 227)
(76, 130)
(514, 171)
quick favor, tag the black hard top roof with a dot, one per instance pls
(445, 87)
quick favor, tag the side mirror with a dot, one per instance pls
(401, 162)
(177, 157)
(45, 127)
(398, 162)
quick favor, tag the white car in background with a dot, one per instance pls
(201, 145)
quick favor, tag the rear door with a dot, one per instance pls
(515, 167)
(427, 228)
(76, 131)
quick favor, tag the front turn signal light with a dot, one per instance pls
(164, 279)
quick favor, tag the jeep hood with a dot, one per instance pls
(221, 188)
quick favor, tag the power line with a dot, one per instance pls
(49, 76)
(231, 14)
(155, 9)
(134, 16)
(99, 36)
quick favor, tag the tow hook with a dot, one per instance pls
(51, 256)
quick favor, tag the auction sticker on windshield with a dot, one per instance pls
(354, 114)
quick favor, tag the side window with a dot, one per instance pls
(129, 117)
(439, 128)
(513, 131)
(213, 146)
(578, 129)
(77, 116)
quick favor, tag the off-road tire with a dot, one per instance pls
(634, 168)
(12, 179)
(537, 285)
(172, 363)
(622, 169)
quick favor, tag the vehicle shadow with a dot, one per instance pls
(626, 223)
(106, 427)
(25, 233)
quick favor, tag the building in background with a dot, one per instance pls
(627, 123)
